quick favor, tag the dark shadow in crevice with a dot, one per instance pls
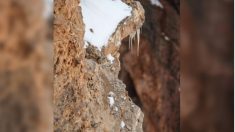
(126, 78)
(130, 87)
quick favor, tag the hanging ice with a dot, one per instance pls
(138, 41)
(131, 37)
(101, 18)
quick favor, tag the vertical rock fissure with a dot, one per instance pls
(130, 86)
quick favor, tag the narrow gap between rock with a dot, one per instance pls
(125, 76)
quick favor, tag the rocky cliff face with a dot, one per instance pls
(152, 78)
(88, 95)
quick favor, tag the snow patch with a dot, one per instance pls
(122, 125)
(110, 58)
(157, 3)
(101, 18)
(111, 101)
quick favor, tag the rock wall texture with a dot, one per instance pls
(152, 78)
(25, 76)
(84, 79)
(207, 68)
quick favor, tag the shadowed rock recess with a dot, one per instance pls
(88, 95)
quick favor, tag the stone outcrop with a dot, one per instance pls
(88, 95)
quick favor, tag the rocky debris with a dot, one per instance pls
(88, 95)
(152, 78)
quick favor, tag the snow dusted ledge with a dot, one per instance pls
(101, 18)
(107, 22)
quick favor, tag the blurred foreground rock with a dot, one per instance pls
(207, 39)
(25, 70)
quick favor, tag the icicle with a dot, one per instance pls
(131, 37)
(138, 41)
(136, 37)
(131, 41)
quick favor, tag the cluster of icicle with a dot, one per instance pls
(133, 36)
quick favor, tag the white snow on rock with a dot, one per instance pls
(157, 3)
(122, 125)
(110, 58)
(101, 18)
(111, 101)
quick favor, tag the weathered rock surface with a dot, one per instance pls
(152, 78)
(85, 82)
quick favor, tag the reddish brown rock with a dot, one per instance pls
(152, 78)
(207, 68)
